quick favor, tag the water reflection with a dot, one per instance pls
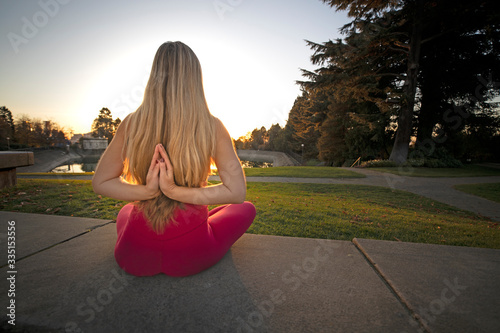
(85, 164)
(252, 164)
(89, 164)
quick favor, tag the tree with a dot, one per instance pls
(24, 129)
(365, 12)
(358, 117)
(332, 142)
(243, 142)
(390, 48)
(399, 152)
(276, 138)
(258, 138)
(304, 120)
(37, 133)
(7, 128)
(104, 126)
(117, 123)
(458, 67)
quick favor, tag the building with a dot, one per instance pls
(94, 143)
(76, 137)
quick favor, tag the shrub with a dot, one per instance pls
(378, 164)
(441, 158)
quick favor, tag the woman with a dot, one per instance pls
(160, 159)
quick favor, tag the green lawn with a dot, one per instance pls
(291, 209)
(302, 171)
(61, 197)
(490, 191)
(296, 171)
(466, 171)
(56, 173)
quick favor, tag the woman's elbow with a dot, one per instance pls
(240, 196)
(96, 186)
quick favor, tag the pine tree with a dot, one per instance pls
(408, 14)
(416, 60)
(332, 145)
(459, 67)
(7, 128)
(104, 126)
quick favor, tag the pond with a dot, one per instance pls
(79, 165)
(252, 164)
(89, 164)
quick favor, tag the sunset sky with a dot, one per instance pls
(63, 60)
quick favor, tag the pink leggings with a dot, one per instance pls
(198, 241)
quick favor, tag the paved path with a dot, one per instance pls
(65, 279)
(439, 189)
(46, 160)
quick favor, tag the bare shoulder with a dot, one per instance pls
(224, 150)
(126, 121)
(220, 129)
(122, 129)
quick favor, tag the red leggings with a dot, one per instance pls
(198, 241)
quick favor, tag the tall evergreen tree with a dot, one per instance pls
(410, 13)
(332, 145)
(306, 116)
(104, 126)
(391, 48)
(7, 128)
(458, 67)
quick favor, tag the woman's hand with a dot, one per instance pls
(167, 182)
(153, 176)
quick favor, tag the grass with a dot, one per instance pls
(466, 171)
(348, 211)
(302, 171)
(296, 171)
(60, 197)
(490, 191)
(290, 209)
(55, 173)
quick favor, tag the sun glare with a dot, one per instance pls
(213, 168)
(229, 86)
(118, 86)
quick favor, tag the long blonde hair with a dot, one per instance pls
(174, 112)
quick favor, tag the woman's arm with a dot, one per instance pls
(107, 179)
(233, 186)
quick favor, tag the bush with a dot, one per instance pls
(378, 164)
(440, 158)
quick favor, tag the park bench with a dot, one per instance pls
(9, 161)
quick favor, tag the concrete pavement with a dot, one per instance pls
(65, 279)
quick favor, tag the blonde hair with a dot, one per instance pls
(174, 112)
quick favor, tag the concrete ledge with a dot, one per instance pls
(14, 159)
(8, 178)
(9, 161)
(450, 288)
